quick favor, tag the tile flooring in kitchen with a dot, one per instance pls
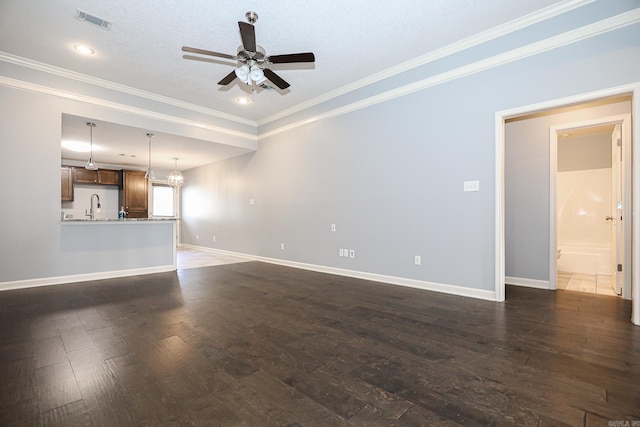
(194, 258)
(590, 283)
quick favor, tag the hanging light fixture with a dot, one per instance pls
(149, 174)
(175, 178)
(90, 165)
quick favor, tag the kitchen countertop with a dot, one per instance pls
(113, 220)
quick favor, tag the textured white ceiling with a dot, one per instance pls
(351, 41)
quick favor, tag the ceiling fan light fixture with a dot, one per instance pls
(256, 74)
(252, 60)
(242, 73)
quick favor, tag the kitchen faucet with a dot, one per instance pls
(91, 214)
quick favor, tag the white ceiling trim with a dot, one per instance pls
(72, 75)
(475, 40)
(573, 36)
(20, 84)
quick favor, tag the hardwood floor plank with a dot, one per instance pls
(56, 386)
(72, 414)
(254, 344)
(49, 351)
(17, 383)
(75, 338)
(22, 414)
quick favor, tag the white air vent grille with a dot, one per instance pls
(92, 19)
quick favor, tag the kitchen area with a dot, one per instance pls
(103, 194)
(106, 201)
(120, 189)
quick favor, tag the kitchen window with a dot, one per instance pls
(163, 201)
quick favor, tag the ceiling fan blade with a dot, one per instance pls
(228, 78)
(207, 52)
(292, 57)
(275, 79)
(248, 34)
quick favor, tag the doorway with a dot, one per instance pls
(589, 188)
(631, 244)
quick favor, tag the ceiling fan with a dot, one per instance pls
(252, 59)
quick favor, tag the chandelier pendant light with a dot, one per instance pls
(175, 178)
(90, 164)
(149, 174)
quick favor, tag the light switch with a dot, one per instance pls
(471, 186)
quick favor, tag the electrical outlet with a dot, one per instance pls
(341, 252)
(197, 237)
(282, 246)
(252, 202)
(352, 253)
(333, 227)
(214, 238)
(417, 260)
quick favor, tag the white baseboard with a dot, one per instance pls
(48, 281)
(400, 281)
(528, 283)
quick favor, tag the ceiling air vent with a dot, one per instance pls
(92, 19)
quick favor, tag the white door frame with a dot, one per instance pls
(501, 116)
(625, 121)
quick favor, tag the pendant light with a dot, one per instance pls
(90, 165)
(149, 174)
(175, 178)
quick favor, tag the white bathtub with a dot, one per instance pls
(584, 259)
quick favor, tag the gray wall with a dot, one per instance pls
(585, 152)
(527, 187)
(390, 176)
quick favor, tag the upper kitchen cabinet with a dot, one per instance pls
(100, 176)
(66, 183)
(134, 196)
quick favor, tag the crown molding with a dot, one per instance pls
(570, 37)
(32, 87)
(475, 40)
(72, 75)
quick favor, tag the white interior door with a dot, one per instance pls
(617, 236)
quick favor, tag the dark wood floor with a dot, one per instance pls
(255, 344)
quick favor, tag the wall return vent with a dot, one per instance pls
(92, 19)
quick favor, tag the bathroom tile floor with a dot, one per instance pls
(590, 283)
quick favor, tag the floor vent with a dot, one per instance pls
(92, 19)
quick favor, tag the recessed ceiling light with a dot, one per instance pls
(243, 100)
(83, 49)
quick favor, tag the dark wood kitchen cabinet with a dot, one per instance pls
(134, 194)
(66, 183)
(100, 176)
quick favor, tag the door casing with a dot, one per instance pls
(632, 89)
